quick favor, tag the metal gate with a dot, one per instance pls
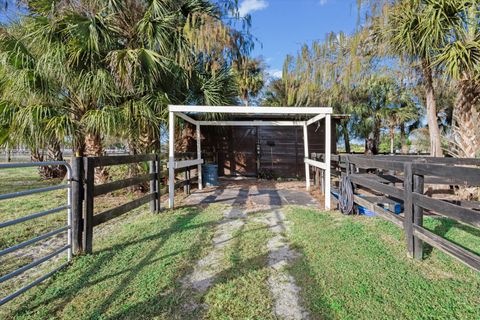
(68, 227)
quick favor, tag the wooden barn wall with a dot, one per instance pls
(235, 148)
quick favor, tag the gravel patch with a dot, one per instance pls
(206, 270)
(284, 290)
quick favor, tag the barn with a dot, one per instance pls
(255, 150)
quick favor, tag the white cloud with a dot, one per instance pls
(323, 2)
(249, 6)
(275, 73)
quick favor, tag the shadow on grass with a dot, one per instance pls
(65, 295)
(317, 305)
(150, 308)
(442, 230)
(239, 269)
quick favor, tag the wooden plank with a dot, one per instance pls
(121, 184)
(315, 119)
(117, 160)
(386, 178)
(385, 214)
(370, 162)
(186, 163)
(408, 209)
(171, 159)
(257, 123)
(365, 181)
(461, 175)
(152, 166)
(475, 205)
(122, 209)
(328, 158)
(87, 238)
(418, 186)
(306, 153)
(433, 160)
(199, 156)
(468, 258)
(186, 118)
(447, 209)
(316, 164)
(250, 110)
(77, 204)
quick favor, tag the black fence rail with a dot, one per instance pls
(402, 180)
(85, 191)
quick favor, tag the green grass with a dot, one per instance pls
(14, 180)
(351, 267)
(357, 268)
(133, 273)
(241, 291)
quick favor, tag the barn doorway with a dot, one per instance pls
(254, 148)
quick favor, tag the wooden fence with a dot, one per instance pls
(85, 191)
(403, 180)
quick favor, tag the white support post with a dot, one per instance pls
(328, 155)
(199, 157)
(171, 159)
(307, 156)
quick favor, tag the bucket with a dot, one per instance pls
(210, 175)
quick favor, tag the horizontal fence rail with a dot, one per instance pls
(66, 228)
(402, 180)
(86, 190)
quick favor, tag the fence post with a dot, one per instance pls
(153, 185)
(88, 206)
(408, 208)
(185, 178)
(159, 181)
(322, 180)
(188, 181)
(418, 187)
(77, 204)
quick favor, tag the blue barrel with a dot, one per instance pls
(210, 175)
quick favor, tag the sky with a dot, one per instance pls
(283, 26)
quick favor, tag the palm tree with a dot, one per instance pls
(402, 28)
(396, 117)
(459, 55)
(376, 95)
(442, 36)
(250, 78)
(111, 68)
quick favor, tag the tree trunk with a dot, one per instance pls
(466, 119)
(376, 136)
(37, 156)
(134, 168)
(432, 119)
(403, 138)
(371, 145)
(54, 153)
(346, 137)
(94, 148)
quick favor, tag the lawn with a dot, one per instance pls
(349, 267)
(354, 267)
(18, 179)
(14, 180)
(132, 274)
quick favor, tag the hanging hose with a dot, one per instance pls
(345, 200)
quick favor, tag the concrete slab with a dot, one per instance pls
(252, 197)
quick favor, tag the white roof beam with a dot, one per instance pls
(258, 123)
(251, 110)
(186, 118)
(315, 119)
